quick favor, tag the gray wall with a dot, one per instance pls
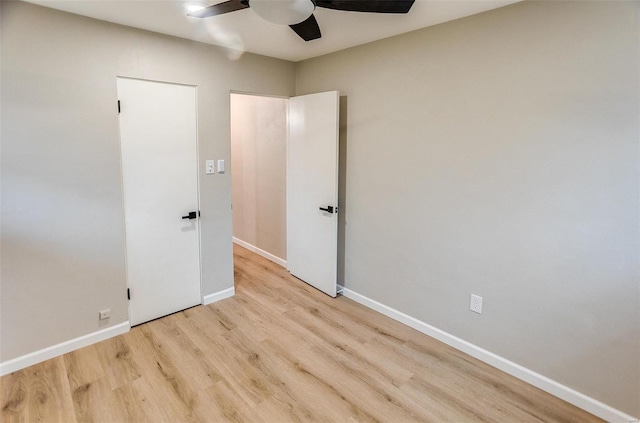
(498, 155)
(258, 171)
(62, 219)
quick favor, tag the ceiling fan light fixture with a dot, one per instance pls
(283, 12)
(193, 7)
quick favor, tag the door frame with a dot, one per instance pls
(198, 201)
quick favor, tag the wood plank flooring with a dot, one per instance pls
(279, 351)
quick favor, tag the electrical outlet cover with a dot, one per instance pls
(475, 304)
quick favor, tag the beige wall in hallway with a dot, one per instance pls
(258, 171)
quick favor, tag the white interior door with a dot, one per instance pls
(312, 190)
(158, 133)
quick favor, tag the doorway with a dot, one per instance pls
(258, 174)
(306, 187)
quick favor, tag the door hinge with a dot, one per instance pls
(118, 106)
(128, 294)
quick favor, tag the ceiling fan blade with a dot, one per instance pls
(372, 6)
(220, 8)
(308, 29)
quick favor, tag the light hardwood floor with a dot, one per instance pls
(278, 351)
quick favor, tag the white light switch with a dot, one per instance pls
(210, 167)
(220, 166)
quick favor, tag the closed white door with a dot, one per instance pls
(158, 134)
(312, 190)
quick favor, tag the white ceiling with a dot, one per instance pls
(243, 30)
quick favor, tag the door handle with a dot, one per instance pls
(329, 209)
(191, 215)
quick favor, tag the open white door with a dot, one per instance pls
(312, 190)
(160, 181)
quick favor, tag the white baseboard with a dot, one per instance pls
(220, 295)
(263, 253)
(576, 398)
(36, 357)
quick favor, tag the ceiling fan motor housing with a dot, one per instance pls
(283, 12)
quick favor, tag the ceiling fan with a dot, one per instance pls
(298, 14)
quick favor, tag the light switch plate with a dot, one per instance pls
(220, 166)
